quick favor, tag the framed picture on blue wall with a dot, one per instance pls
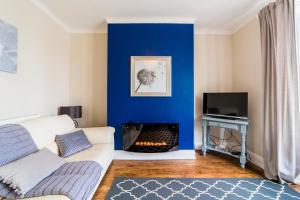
(151, 76)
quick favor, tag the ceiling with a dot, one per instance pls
(210, 16)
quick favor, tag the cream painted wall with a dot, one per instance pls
(88, 77)
(213, 72)
(248, 76)
(42, 81)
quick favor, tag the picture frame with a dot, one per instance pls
(8, 47)
(151, 76)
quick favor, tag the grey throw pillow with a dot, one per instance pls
(71, 143)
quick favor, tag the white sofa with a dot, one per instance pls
(44, 129)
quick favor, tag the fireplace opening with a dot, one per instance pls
(150, 138)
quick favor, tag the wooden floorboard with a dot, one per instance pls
(210, 166)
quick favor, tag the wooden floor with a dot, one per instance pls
(210, 166)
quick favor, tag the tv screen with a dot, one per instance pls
(233, 105)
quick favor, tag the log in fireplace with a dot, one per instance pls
(150, 137)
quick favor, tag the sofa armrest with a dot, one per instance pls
(98, 135)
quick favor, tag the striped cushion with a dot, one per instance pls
(15, 143)
(72, 143)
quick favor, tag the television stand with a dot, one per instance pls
(238, 125)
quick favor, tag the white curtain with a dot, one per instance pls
(297, 28)
(281, 98)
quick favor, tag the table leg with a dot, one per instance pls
(204, 136)
(243, 159)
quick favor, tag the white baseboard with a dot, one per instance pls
(197, 145)
(174, 155)
(256, 159)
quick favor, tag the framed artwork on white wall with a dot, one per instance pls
(8, 47)
(151, 76)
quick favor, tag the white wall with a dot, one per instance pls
(248, 76)
(41, 83)
(88, 77)
(213, 72)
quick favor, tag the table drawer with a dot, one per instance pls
(223, 125)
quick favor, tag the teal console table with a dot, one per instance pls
(236, 124)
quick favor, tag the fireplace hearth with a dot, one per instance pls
(150, 137)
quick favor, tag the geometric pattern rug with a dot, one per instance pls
(199, 189)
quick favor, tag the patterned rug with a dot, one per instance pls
(199, 189)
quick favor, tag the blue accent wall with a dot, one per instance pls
(176, 40)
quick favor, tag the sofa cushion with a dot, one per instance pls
(100, 135)
(72, 143)
(44, 129)
(24, 174)
(15, 143)
(101, 153)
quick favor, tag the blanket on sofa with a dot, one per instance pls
(23, 174)
(15, 143)
(75, 180)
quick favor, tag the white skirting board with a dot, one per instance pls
(174, 155)
(256, 159)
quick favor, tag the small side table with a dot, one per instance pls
(234, 124)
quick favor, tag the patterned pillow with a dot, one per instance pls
(71, 143)
(15, 143)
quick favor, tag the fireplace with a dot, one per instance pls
(150, 137)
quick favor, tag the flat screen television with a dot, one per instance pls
(227, 105)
